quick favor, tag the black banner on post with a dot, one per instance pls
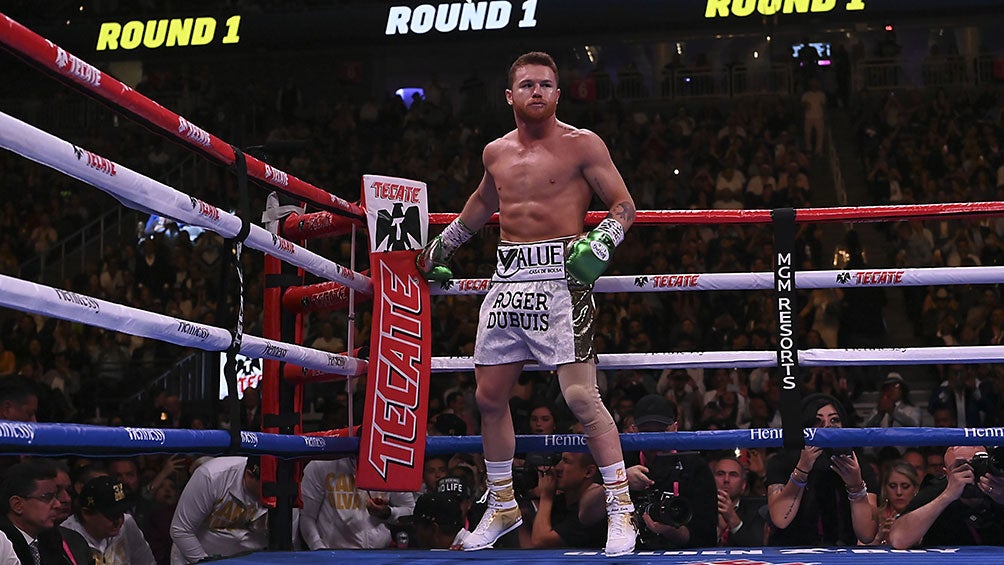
(787, 330)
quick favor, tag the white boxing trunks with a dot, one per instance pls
(530, 313)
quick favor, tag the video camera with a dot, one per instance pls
(664, 507)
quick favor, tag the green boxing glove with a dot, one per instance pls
(588, 256)
(432, 261)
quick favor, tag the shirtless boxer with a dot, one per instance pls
(541, 178)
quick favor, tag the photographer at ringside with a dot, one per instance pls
(674, 492)
(965, 507)
(560, 520)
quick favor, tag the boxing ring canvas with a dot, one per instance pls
(710, 556)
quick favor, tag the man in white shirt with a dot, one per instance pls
(814, 104)
(113, 536)
(337, 514)
(219, 513)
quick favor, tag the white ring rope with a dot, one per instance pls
(145, 194)
(919, 276)
(40, 299)
(962, 354)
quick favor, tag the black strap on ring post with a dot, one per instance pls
(236, 245)
(787, 327)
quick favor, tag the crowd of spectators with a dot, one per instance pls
(922, 147)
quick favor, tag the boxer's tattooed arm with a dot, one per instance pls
(623, 211)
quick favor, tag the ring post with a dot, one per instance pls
(392, 448)
(787, 327)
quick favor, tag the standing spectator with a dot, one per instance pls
(113, 536)
(861, 321)
(894, 407)
(219, 513)
(337, 514)
(960, 393)
(814, 105)
(29, 500)
(805, 490)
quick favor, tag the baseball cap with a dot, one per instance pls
(105, 495)
(455, 486)
(450, 424)
(437, 508)
(654, 408)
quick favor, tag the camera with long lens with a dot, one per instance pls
(664, 507)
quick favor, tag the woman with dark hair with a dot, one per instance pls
(820, 496)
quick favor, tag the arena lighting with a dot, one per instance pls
(888, 27)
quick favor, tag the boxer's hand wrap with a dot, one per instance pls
(588, 256)
(432, 261)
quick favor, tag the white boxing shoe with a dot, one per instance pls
(501, 517)
(622, 532)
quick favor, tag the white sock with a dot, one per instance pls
(498, 471)
(613, 474)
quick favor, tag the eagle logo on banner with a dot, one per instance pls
(400, 229)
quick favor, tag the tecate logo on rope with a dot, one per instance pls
(193, 132)
(96, 162)
(283, 245)
(275, 175)
(459, 16)
(205, 210)
(74, 67)
(249, 439)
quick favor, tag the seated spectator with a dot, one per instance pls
(752, 197)
(739, 520)
(219, 512)
(29, 500)
(964, 508)
(113, 536)
(438, 522)
(157, 527)
(899, 486)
